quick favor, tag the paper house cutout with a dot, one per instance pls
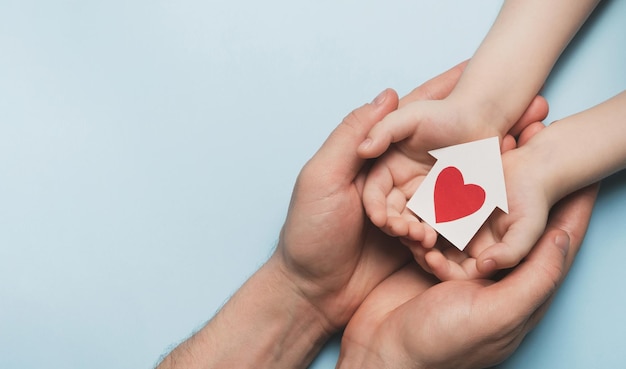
(461, 190)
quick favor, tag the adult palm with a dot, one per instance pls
(411, 321)
(328, 248)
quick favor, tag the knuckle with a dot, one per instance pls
(354, 119)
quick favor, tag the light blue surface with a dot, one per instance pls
(148, 150)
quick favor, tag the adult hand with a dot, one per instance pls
(329, 257)
(410, 321)
(328, 249)
(327, 260)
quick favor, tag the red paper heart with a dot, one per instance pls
(453, 198)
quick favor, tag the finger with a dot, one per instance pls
(396, 224)
(572, 214)
(417, 230)
(337, 157)
(418, 253)
(528, 286)
(531, 284)
(395, 127)
(438, 264)
(515, 245)
(436, 88)
(444, 268)
(536, 111)
(536, 279)
(508, 143)
(430, 236)
(378, 185)
(528, 132)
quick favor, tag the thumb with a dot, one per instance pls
(338, 155)
(535, 280)
(516, 243)
(437, 88)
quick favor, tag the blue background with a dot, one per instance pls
(148, 150)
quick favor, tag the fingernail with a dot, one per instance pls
(489, 265)
(380, 98)
(365, 144)
(562, 242)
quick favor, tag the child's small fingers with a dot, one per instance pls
(375, 208)
(437, 262)
(536, 111)
(529, 132)
(454, 255)
(430, 236)
(419, 231)
(396, 226)
(499, 256)
(378, 185)
(395, 127)
(508, 143)
(416, 230)
(442, 268)
(418, 252)
(515, 245)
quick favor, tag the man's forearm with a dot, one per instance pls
(266, 324)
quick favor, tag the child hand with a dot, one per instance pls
(505, 239)
(414, 129)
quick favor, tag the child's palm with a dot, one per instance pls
(411, 132)
(505, 239)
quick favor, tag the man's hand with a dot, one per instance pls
(410, 321)
(328, 250)
(329, 257)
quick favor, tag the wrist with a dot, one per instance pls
(303, 306)
(485, 117)
(265, 324)
(357, 356)
(374, 355)
(544, 175)
(290, 330)
(380, 346)
(327, 295)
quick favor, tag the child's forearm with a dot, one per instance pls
(516, 56)
(580, 149)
